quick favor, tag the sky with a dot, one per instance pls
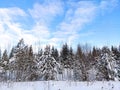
(55, 22)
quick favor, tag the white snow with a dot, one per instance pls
(60, 85)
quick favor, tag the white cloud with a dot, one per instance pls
(9, 29)
(74, 15)
(36, 34)
(75, 19)
(44, 13)
(77, 16)
(108, 5)
(7, 14)
(41, 31)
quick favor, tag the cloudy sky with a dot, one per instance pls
(55, 22)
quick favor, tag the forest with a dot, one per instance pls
(83, 64)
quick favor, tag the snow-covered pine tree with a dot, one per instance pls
(1, 66)
(77, 64)
(31, 65)
(18, 60)
(116, 52)
(5, 65)
(118, 63)
(40, 52)
(5, 57)
(77, 70)
(11, 53)
(107, 68)
(54, 53)
(48, 66)
(66, 60)
(22, 64)
(71, 60)
(0, 54)
(64, 55)
(91, 64)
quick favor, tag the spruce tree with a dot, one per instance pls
(5, 64)
(64, 56)
(107, 65)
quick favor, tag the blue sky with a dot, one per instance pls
(55, 22)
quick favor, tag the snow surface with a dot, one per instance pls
(60, 85)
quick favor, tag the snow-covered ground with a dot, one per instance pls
(60, 85)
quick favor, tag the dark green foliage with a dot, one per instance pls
(65, 55)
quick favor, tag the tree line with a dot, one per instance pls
(83, 64)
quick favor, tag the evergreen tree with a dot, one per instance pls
(71, 58)
(5, 57)
(83, 62)
(11, 53)
(64, 56)
(107, 65)
(116, 52)
(40, 52)
(48, 66)
(19, 63)
(77, 69)
(54, 53)
(0, 55)
(24, 63)
(5, 64)
(95, 53)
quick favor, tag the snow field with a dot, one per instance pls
(60, 85)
